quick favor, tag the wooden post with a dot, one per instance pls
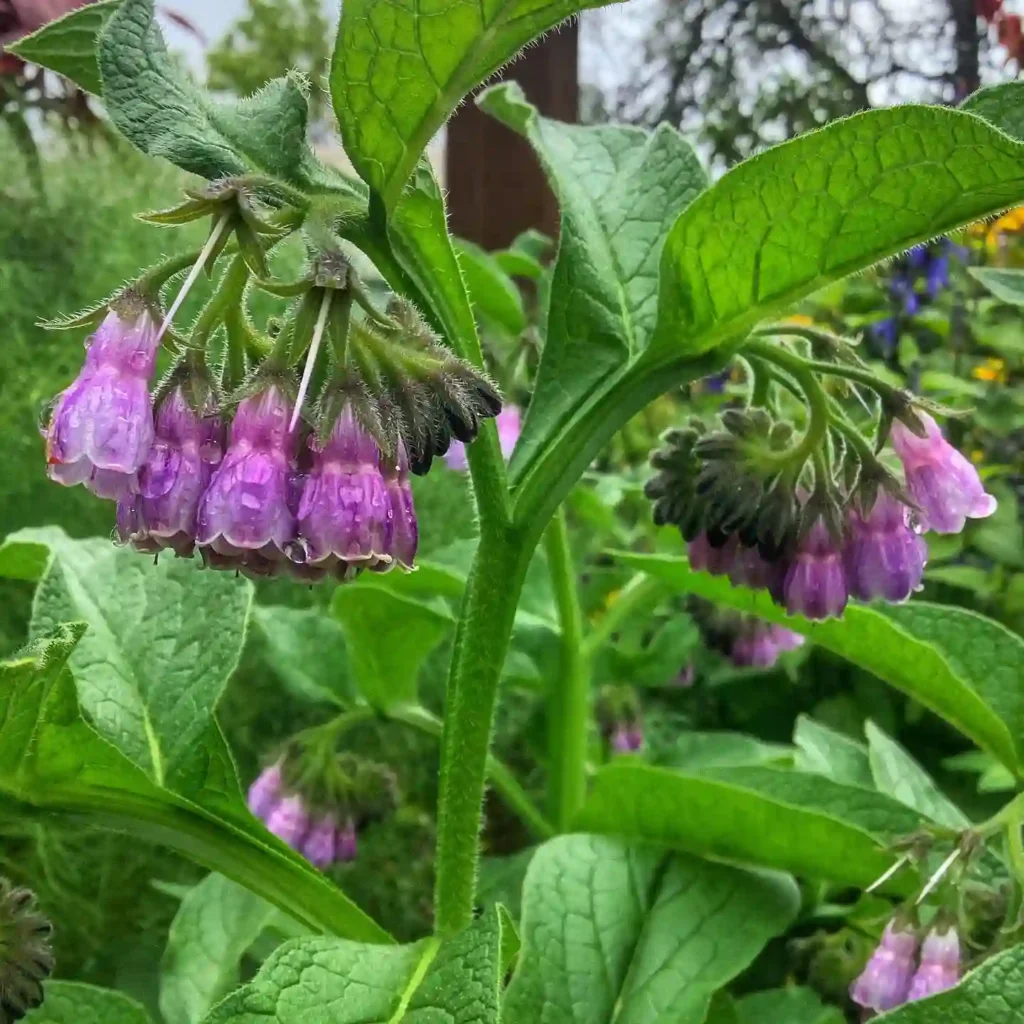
(496, 188)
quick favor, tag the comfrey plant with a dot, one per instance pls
(291, 447)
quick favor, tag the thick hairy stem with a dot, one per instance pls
(485, 627)
(568, 709)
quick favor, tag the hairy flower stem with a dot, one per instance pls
(568, 705)
(481, 642)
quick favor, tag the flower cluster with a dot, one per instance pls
(246, 481)
(896, 975)
(318, 805)
(26, 955)
(811, 550)
(319, 837)
(758, 644)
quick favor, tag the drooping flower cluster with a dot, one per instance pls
(811, 550)
(247, 482)
(895, 975)
(26, 954)
(317, 814)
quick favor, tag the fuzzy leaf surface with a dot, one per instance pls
(69, 1002)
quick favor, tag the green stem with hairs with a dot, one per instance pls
(568, 704)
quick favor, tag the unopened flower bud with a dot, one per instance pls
(716, 560)
(26, 955)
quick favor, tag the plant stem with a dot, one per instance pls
(499, 773)
(641, 592)
(568, 705)
(481, 642)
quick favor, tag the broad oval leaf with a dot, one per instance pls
(1001, 105)
(824, 751)
(787, 1006)
(307, 980)
(827, 204)
(69, 1002)
(494, 294)
(400, 69)
(806, 824)
(68, 45)
(635, 935)
(216, 923)
(1005, 283)
(620, 189)
(964, 667)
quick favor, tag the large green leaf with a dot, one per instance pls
(827, 752)
(306, 648)
(993, 994)
(215, 924)
(162, 642)
(805, 824)
(634, 935)
(898, 774)
(68, 1002)
(52, 761)
(388, 638)
(309, 981)
(68, 45)
(957, 663)
(620, 189)
(158, 108)
(1001, 105)
(827, 204)
(1005, 283)
(400, 69)
(494, 294)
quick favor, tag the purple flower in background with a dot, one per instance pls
(883, 556)
(102, 425)
(885, 982)
(509, 424)
(940, 965)
(345, 515)
(759, 644)
(405, 532)
(815, 585)
(245, 511)
(173, 478)
(715, 384)
(627, 738)
(318, 837)
(942, 483)
(686, 677)
(886, 332)
(707, 558)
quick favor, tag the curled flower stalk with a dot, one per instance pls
(26, 953)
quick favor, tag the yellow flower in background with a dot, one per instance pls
(799, 320)
(1010, 222)
(977, 456)
(991, 370)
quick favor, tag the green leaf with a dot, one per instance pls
(787, 1006)
(159, 110)
(805, 824)
(493, 293)
(1005, 283)
(316, 980)
(813, 210)
(68, 1002)
(214, 926)
(956, 663)
(826, 752)
(162, 642)
(52, 761)
(898, 774)
(388, 638)
(635, 935)
(693, 751)
(306, 648)
(68, 45)
(399, 70)
(1001, 105)
(620, 189)
(993, 994)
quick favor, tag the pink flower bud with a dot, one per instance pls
(940, 965)
(885, 982)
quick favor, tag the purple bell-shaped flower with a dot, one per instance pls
(759, 644)
(940, 965)
(883, 556)
(102, 425)
(404, 527)
(815, 585)
(718, 561)
(943, 484)
(244, 515)
(885, 983)
(173, 478)
(627, 737)
(345, 517)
